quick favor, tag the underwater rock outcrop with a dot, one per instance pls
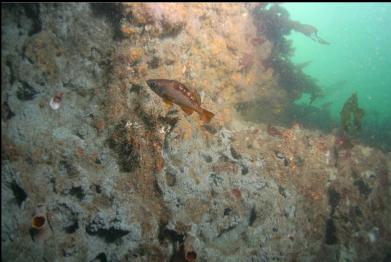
(126, 178)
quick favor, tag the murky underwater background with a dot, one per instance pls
(196, 132)
(357, 60)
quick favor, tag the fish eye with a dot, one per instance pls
(151, 83)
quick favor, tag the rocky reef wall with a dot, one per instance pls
(95, 167)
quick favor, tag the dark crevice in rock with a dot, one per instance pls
(78, 192)
(357, 211)
(6, 111)
(154, 62)
(170, 31)
(98, 189)
(172, 235)
(253, 216)
(110, 235)
(216, 179)
(26, 92)
(170, 178)
(235, 154)
(149, 121)
(244, 170)
(19, 193)
(354, 174)
(128, 157)
(226, 230)
(69, 217)
(334, 198)
(281, 190)
(171, 121)
(179, 255)
(207, 158)
(32, 11)
(72, 228)
(136, 89)
(101, 257)
(227, 211)
(387, 257)
(210, 128)
(175, 238)
(12, 76)
(363, 188)
(157, 187)
(70, 169)
(224, 158)
(112, 13)
(331, 231)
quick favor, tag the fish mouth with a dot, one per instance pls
(153, 85)
(150, 82)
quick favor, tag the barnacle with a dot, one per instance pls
(55, 101)
(39, 224)
(189, 246)
(39, 220)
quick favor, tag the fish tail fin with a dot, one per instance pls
(206, 116)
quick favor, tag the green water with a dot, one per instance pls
(359, 55)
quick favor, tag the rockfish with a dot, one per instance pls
(174, 92)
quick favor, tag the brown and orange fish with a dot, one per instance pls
(174, 92)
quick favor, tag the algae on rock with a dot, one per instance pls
(351, 114)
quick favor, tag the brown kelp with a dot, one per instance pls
(351, 114)
(307, 30)
(294, 80)
(273, 21)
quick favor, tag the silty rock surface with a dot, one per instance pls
(125, 178)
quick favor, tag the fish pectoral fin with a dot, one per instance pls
(167, 102)
(187, 110)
